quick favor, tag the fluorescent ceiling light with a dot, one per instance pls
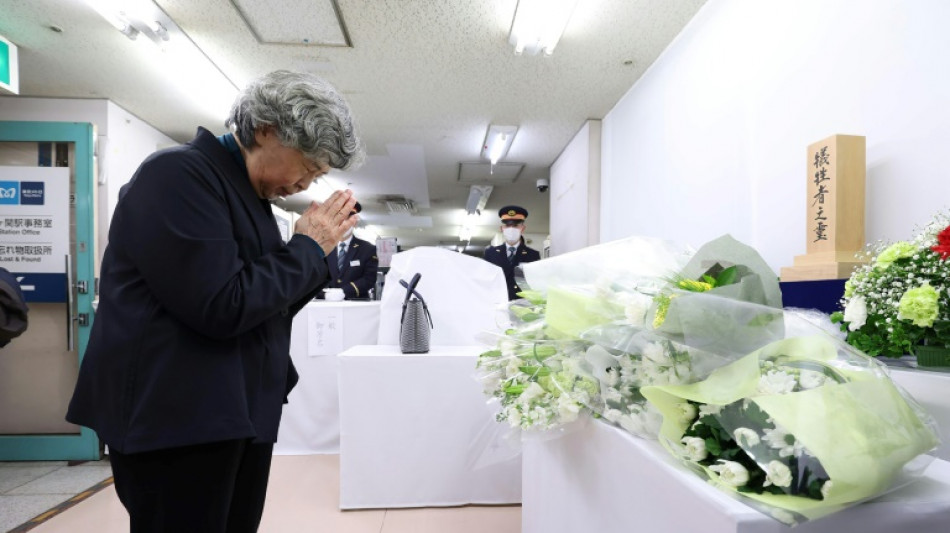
(468, 225)
(196, 75)
(497, 142)
(477, 198)
(538, 25)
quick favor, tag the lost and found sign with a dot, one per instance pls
(34, 229)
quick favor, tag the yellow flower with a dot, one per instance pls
(663, 305)
(693, 285)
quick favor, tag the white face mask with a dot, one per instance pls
(511, 234)
(347, 234)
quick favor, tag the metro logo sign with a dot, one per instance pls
(9, 192)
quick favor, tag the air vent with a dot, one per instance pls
(399, 205)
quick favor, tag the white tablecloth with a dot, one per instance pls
(407, 425)
(602, 479)
(932, 391)
(311, 421)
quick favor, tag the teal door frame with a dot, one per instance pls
(85, 445)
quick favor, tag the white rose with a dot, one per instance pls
(709, 409)
(686, 412)
(856, 312)
(784, 442)
(776, 382)
(777, 474)
(731, 473)
(826, 489)
(750, 437)
(613, 415)
(695, 448)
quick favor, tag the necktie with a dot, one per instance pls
(511, 254)
(341, 257)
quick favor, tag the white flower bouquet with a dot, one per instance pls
(591, 347)
(694, 349)
(802, 427)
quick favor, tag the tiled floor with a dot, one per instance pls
(30, 488)
(303, 496)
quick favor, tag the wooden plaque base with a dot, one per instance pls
(831, 265)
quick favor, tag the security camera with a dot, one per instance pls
(543, 185)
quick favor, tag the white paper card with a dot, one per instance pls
(324, 331)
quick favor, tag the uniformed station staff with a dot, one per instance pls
(514, 251)
(353, 265)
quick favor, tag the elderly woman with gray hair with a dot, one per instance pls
(188, 363)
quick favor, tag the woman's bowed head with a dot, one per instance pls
(293, 128)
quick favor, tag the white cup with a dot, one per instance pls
(333, 295)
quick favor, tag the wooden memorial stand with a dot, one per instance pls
(835, 207)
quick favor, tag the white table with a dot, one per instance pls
(602, 479)
(932, 391)
(310, 423)
(407, 425)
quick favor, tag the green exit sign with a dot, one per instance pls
(9, 67)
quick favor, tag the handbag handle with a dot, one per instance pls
(410, 289)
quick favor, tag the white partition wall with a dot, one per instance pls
(575, 192)
(123, 142)
(712, 138)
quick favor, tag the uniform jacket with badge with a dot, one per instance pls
(499, 256)
(359, 269)
(190, 342)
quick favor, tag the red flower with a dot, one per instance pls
(943, 243)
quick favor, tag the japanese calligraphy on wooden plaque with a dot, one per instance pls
(834, 228)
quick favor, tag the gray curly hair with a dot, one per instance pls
(307, 113)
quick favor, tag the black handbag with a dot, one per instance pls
(416, 322)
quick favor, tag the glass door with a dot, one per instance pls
(47, 240)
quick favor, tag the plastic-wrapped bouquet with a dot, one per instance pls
(536, 377)
(592, 346)
(694, 348)
(899, 301)
(803, 427)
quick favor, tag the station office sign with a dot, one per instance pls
(34, 229)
